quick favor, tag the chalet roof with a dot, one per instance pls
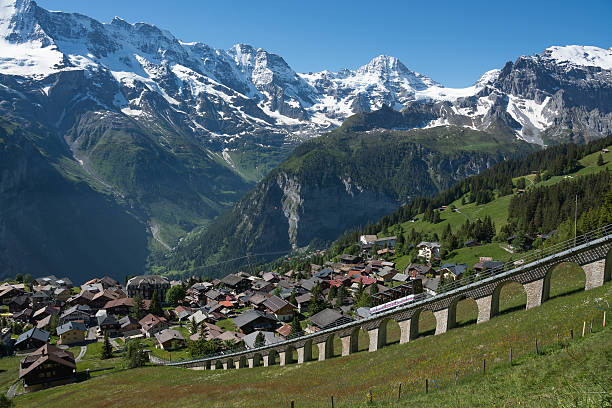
(77, 308)
(48, 352)
(268, 276)
(258, 299)
(249, 316)
(309, 284)
(107, 320)
(306, 297)
(127, 302)
(148, 280)
(213, 294)
(401, 277)
(275, 303)
(127, 320)
(232, 280)
(34, 333)
(324, 273)
(70, 326)
(167, 335)
(229, 335)
(328, 317)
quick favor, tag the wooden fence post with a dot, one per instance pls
(456, 376)
(484, 366)
(332, 401)
(399, 392)
(583, 328)
(292, 404)
(536, 345)
(572, 334)
(426, 386)
(510, 356)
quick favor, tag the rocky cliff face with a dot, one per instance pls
(343, 180)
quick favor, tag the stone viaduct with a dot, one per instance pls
(594, 256)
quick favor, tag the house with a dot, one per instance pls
(40, 299)
(269, 338)
(270, 277)
(367, 239)
(82, 298)
(487, 265)
(257, 300)
(386, 274)
(401, 277)
(182, 312)
(100, 299)
(252, 320)
(47, 366)
(340, 281)
(230, 336)
(62, 294)
(107, 324)
(129, 326)
(415, 270)
(387, 242)
(32, 339)
(326, 319)
(280, 308)
(350, 259)
(454, 271)
(324, 273)
(8, 293)
(44, 312)
(365, 280)
(284, 331)
(24, 315)
(303, 302)
(145, 285)
(71, 333)
(152, 324)
(428, 251)
(261, 285)
(76, 313)
(236, 282)
(44, 322)
(309, 284)
(430, 285)
(19, 303)
(119, 307)
(214, 295)
(169, 339)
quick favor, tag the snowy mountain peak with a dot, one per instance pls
(581, 55)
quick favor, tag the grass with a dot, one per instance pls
(434, 357)
(496, 209)
(227, 325)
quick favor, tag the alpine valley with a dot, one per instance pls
(124, 148)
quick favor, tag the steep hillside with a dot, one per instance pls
(53, 224)
(347, 178)
(565, 373)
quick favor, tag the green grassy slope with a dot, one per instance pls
(435, 357)
(496, 209)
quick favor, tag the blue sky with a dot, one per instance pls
(453, 42)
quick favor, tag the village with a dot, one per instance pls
(45, 317)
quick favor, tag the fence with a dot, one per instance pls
(529, 258)
(515, 354)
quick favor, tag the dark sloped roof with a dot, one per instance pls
(275, 303)
(249, 316)
(34, 333)
(329, 317)
(70, 326)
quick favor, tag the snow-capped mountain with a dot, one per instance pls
(222, 96)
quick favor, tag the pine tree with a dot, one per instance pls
(295, 326)
(316, 303)
(292, 300)
(138, 310)
(260, 340)
(156, 307)
(193, 327)
(107, 349)
(600, 160)
(332, 293)
(341, 296)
